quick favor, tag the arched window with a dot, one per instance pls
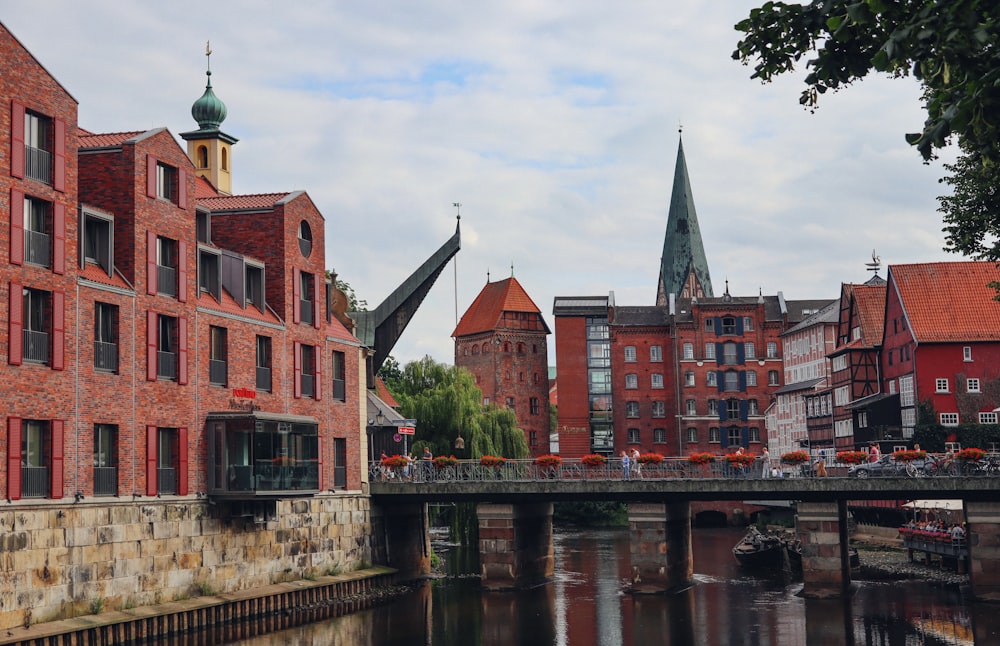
(202, 156)
(486, 348)
(225, 159)
(475, 350)
(506, 346)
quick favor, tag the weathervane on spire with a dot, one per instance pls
(208, 55)
(875, 264)
(458, 209)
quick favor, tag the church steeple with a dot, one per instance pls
(208, 147)
(683, 266)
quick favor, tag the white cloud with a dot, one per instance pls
(553, 123)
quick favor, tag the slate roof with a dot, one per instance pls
(828, 314)
(949, 301)
(487, 310)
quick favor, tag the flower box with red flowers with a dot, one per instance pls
(795, 457)
(394, 461)
(971, 454)
(852, 457)
(445, 461)
(909, 455)
(492, 461)
(548, 460)
(650, 458)
(701, 458)
(739, 459)
(594, 459)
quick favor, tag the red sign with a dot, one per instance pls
(407, 430)
(244, 393)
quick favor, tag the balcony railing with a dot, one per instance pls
(34, 482)
(37, 247)
(106, 356)
(166, 280)
(36, 346)
(105, 481)
(166, 365)
(166, 481)
(306, 311)
(38, 164)
(264, 379)
(218, 372)
(307, 386)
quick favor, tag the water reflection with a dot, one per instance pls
(586, 605)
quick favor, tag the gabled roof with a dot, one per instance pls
(260, 201)
(948, 301)
(487, 310)
(203, 189)
(868, 309)
(106, 139)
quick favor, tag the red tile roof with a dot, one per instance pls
(383, 393)
(496, 298)
(203, 189)
(95, 274)
(230, 306)
(336, 330)
(870, 302)
(107, 139)
(242, 202)
(949, 301)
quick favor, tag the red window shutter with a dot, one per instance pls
(152, 481)
(296, 296)
(150, 176)
(16, 139)
(14, 458)
(319, 460)
(317, 378)
(59, 157)
(182, 187)
(182, 461)
(59, 238)
(17, 226)
(151, 285)
(152, 344)
(15, 348)
(58, 330)
(297, 369)
(317, 300)
(56, 479)
(182, 350)
(182, 271)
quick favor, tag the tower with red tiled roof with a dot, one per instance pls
(501, 340)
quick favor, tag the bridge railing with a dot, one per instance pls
(567, 469)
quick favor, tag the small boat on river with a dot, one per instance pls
(758, 551)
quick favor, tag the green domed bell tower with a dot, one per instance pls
(209, 148)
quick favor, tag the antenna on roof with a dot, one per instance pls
(511, 268)
(875, 264)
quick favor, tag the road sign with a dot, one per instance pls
(407, 430)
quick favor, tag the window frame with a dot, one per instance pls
(949, 419)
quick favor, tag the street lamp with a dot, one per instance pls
(379, 418)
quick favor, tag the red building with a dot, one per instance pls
(501, 340)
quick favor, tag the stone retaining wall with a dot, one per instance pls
(59, 561)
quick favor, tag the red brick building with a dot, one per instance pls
(501, 340)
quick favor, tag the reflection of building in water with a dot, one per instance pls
(950, 630)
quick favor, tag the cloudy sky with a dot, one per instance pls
(554, 124)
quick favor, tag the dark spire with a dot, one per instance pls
(683, 266)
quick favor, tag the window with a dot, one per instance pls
(97, 246)
(748, 324)
(166, 347)
(656, 380)
(713, 407)
(106, 337)
(772, 378)
(39, 140)
(966, 353)
(972, 385)
(338, 370)
(734, 436)
(730, 355)
(754, 434)
(631, 381)
(218, 364)
(842, 395)
(533, 404)
(306, 294)
(255, 286)
(710, 351)
(949, 419)
(305, 238)
(37, 232)
(749, 350)
(36, 456)
(533, 438)
(633, 436)
(263, 363)
(307, 377)
(688, 379)
(520, 377)
(655, 353)
(688, 350)
(752, 407)
(713, 435)
(166, 460)
(203, 226)
(729, 325)
(521, 348)
(712, 378)
(105, 460)
(631, 409)
(710, 325)
(733, 408)
(209, 276)
(37, 325)
(732, 383)
(988, 418)
(659, 436)
(772, 350)
(630, 353)
(690, 407)
(840, 362)
(692, 434)
(941, 385)
(751, 377)
(166, 182)
(659, 409)
(510, 403)
(166, 266)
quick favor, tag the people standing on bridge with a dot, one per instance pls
(765, 463)
(634, 463)
(625, 466)
(875, 452)
(425, 464)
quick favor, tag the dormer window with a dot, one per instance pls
(255, 286)
(209, 278)
(98, 241)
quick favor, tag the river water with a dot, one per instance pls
(587, 605)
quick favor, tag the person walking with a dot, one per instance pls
(634, 463)
(765, 463)
(625, 466)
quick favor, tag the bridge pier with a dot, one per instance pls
(515, 545)
(826, 566)
(983, 535)
(407, 540)
(660, 538)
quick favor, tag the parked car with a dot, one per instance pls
(886, 467)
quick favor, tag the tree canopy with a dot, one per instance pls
(445, 402)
